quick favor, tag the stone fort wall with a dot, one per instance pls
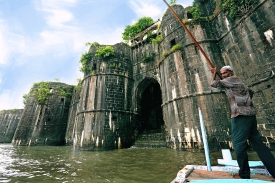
(44, 123)
(126, 96)
(9, 120)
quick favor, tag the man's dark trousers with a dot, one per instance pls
(243, 128)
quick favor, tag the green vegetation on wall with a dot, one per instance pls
(95, 44)
(26, 98)
(115, 66)
(195, 11)
(41, 91)
(167, 53)
(148, 57)
(235, 8)
(176, 47)
(238, 8)
(132, 30)
(78, 87)
(105, 51)
(65, 91)
(85, 60)
(101, 52)
(157, 40)
(172, 50)
(173, 2)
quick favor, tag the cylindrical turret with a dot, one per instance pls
(45, 115)
(185, 78)
(104, 118)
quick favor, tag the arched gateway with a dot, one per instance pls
(148, 107)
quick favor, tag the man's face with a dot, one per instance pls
(226, 73)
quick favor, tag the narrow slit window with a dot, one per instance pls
(94, 67)
(172, 43)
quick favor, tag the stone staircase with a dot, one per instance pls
(150, 139)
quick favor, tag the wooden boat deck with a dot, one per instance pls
(198, 173)
(206, 175)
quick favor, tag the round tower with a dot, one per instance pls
(185, 76)
(104, 117)
(44, 119)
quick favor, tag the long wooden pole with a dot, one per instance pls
(190, 34)
(205, 143)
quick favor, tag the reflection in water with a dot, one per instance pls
(62, 164)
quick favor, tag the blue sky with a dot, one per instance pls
(41, 40)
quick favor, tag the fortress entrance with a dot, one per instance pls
(149, 107)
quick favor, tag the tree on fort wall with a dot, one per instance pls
(132, 30)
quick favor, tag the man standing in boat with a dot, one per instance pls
(243, 121)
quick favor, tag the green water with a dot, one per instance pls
(63, 164)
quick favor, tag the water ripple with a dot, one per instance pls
(62, 164)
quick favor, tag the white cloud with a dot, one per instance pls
(58, 18)
(4, 46)
(58, 15)
(57, 38)
(145, 8)
(10, 100)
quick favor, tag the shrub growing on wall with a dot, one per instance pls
(195, 11)
(132, 30)
(148, 57)
(105, 51)
(175, 48)
(172, 50)
(238, 8)
(95, 44)
(65, 91)
(85, 61)
(173, 2)
(157, 40)
(26, 98)
(41, 92)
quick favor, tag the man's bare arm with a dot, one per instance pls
(214, 73)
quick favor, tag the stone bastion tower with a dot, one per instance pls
(245, 42)
(44, 119)
(184, 80)
(104, 118)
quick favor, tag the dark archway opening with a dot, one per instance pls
(151, 111)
